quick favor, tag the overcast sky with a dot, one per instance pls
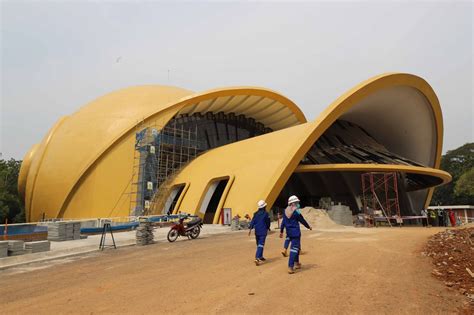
(57, 56)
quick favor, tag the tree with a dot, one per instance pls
(11, 205)
(456, 162)
(465, 184)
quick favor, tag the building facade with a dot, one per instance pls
(156, 149)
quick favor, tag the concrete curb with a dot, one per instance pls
(55, 256)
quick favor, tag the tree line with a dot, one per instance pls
(11, 204)
(460, 164)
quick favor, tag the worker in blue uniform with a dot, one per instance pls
(261, 223)
(286, 244)
(291, 222)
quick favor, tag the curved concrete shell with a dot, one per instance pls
(84, 167)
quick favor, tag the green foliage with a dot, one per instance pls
(459, 163)
(465, 184)
(11, 205)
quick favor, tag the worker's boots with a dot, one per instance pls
(297, 265)
(284, 253)
(291, 270)
(257, 262)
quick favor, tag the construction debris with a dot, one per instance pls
(16, 248)
(144, 235)
(36, 247)
(237, 224)
(453, 257)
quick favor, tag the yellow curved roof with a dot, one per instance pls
(261, 166)
(352, 98)
(74, 145)
(445, 177)
(84, 163)
(25, 168)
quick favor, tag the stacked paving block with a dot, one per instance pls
(76, 230)
(57, 231)
(3, 249)
(144, 235)
(64, 231)
(341, 214)
(36, 247)
(69, 231)
(16, 248)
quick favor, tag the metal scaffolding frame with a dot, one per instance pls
(160, 152)
(380, 193)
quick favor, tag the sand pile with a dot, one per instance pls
(319, 218)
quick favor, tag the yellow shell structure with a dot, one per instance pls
(257, 144)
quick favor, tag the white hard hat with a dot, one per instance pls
(261, 204)
(293, 199)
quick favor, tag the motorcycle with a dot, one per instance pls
(191, 229)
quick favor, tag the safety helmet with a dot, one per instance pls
(293, 199)
(261, 204)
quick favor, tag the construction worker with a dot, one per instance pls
(432, 216)
(424, 219)
(261, 223)
(291, 222)
(286, 244)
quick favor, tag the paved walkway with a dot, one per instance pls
(91, 244)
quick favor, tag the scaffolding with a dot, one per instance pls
(160, 152)
(380, 195)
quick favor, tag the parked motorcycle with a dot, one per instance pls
(191, 229)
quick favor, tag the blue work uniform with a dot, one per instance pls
(287, 242)
(292, 226)
(261, 223)
(287, 238)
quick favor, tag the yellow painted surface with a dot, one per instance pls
(84, 164)
(444, 176)
(77, 161)
(263, 165)
(81, 139)
(350, 99)
(25, 168)
(33, 169)
(255, 163)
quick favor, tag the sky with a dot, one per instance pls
(58, 56)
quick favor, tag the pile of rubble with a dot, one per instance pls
(144, 234)
(453, 257)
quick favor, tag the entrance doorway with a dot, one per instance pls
(212, 199)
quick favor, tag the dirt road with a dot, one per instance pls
(377, 271)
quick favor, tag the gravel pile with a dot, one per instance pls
(453, 259)
(144, 235)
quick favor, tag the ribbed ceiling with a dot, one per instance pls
(265, 110)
